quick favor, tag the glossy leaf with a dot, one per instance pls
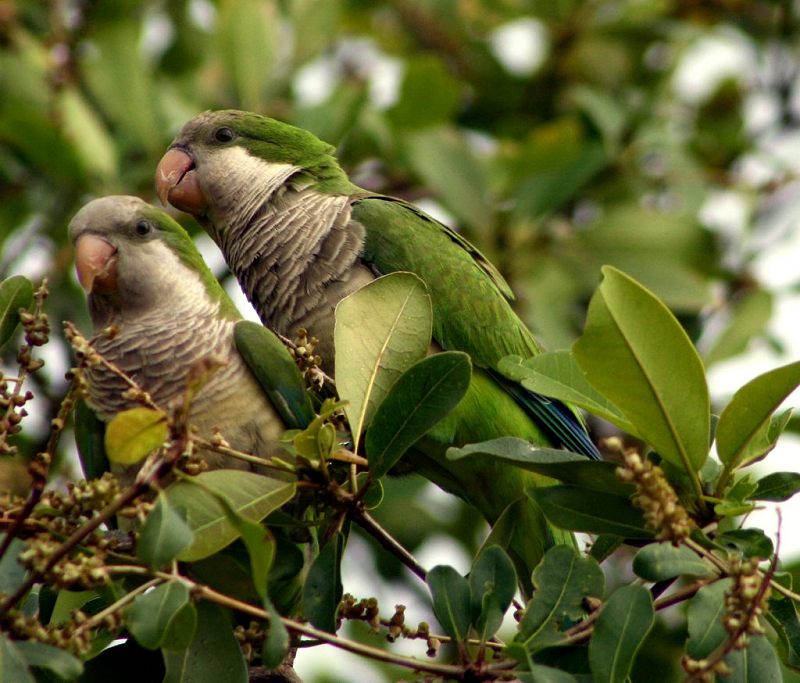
(744, 424)
(635, 353)
(422, 396)
(571, 468)
(322, 590)
(452, 601)
(163, 614)
(661, 561)
(133, 434)
(751, 542)
(163, 535)
(492, 582)
(556, 374)
(213, 655)
(15, 292)
(777, 486)
(624, 622)
(563, 581)
(381, 330)
(250, 494)
(704, 618)
(578, 509)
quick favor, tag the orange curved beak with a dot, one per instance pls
(96, 263)
(176, 182)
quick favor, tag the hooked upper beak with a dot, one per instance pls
(96, 263)
(176, 182)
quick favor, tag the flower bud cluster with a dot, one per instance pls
(308, 362)
(655, 496)
(81, 570)
(745, 600)
(12, 412)
(65, 636)
(705, 670)
(250, 639)
(365, 609)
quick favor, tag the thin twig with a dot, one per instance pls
(387, 541)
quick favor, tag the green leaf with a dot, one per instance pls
(661, 561)
(777, 486)
(276, 372)
(604, 545)
(556, 374)
(163, 614)
(163, 535)
(12, 573)
(757, 663)
(322, 590)
(704, 619)
(749, 318)
(250, 494)
(381, 330)
(59, 662)
(782, 615)
(213, 655)
(13, 666)
(133, 434)
(492, 583)
(91, 141)
(546, 674)
(623, 624)
(635, 353)
(578, 509)
(422, 396)
(90, 440)
(751, 542)
(276, 644)
(452, 601)
(744, 424)
(565, 466)
(15, 292)
(563, 581)
(425, 80)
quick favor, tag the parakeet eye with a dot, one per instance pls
(224, 134)
(143, 228)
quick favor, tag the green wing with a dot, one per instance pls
(401, 237)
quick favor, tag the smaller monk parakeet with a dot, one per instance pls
(144, 277)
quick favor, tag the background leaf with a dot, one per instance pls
(15, 292)
(322, 590)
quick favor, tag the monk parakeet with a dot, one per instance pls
(144, 277)
(299, 236)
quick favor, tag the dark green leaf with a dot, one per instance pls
(492, 583)
(15, 292)
(422, 396)
(565, 466)
(623, 624)
(546, 674)
(213, 655)
(777, 486)
(451, 601)
(276, 644)
(635, 353)
(757, 663)
(660, 561)
(250, 494)
(13, 666)
(704, 618)
(752, 542)
(90, 439)
(604, 545)
(578, 509)
(42, 656)
(743, 427)
(782, 615)
(276, 372)
(155, 617)
(563, 581)
(322, 590)
(12, 573)
(164, 534)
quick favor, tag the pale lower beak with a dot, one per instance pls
(96, 263)
(176, 182)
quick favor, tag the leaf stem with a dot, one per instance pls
(387, 541)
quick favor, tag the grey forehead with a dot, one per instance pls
(104, 214)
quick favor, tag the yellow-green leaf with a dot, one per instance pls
(133, 434)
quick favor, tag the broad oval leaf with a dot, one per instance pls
(133, 434)
(422, 396)
(746, 418)
(634, 352)
(15, 292)
(661, 561)
(704, 619)
(13, 666)
(452, 601)
(595, 512)
(563, 581)
(163, 535)
(571, 468)
(381, 330)
(63, 664)
(251, 495)
(492, 582)
(322, 590)
(777, 486)
(757, 663)
(782, 615)
(751, 542)
(153, 615)
(623, 624)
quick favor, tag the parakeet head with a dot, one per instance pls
(228, 161)
(131, 257)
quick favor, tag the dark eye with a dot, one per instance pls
(224, 134)
(143, 228)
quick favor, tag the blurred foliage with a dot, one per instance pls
(558, 135)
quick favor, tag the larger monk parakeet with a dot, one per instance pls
(144, 277)
(299, 236)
